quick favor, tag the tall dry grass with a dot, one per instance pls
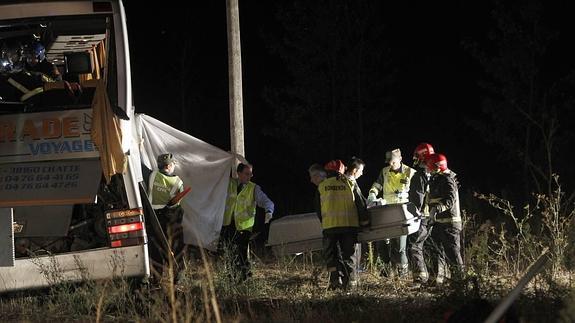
(294, 288)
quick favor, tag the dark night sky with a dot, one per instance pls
(437, 80)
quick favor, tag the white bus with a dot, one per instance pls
(70, 205)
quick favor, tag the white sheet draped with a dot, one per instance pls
(201, 166)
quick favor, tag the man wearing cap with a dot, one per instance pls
(163, 186)
(393, 184)
(239, 218)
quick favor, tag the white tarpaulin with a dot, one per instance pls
(201, 166)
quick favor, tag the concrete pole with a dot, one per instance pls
(235, 79)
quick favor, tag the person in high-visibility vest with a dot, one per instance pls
(444, 211)
(393, 184)
(239, 218)
(162, 188)
(340, 214)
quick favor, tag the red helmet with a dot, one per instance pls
(421, 151)
(436, 162)
(335, 166)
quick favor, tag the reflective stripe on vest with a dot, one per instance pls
(241, 206)
(394, 191)
(162, 189)
(27, 93)
(448, 220)
(452, 219)
(337, 204)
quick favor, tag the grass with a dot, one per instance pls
(278, 292)
(294, 289)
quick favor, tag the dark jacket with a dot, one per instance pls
(360, 203)
(418, 189)
(444, 197)
(45, 67)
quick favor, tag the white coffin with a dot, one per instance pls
(302, 232)
(295, 233)
(390, 221)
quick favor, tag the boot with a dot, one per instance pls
(335, 281)
(402, 271)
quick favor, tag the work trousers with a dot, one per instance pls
(447, 242)
(338, 250)
(416, 254)
(234, 245)
(356, 259)
(171, 222)
(393, 253)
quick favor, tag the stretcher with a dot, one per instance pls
(302, 232)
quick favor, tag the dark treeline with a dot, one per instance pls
(490, 84)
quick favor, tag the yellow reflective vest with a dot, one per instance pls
(337, 203)
(393, 186)
(163, 188)
(242, 206)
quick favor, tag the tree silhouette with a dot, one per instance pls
(525, 94)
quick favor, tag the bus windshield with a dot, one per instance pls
(55, 63)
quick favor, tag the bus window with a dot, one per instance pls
(54, 63)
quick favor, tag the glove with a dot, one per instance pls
(268, 217)
(370, 199)
(402, 195)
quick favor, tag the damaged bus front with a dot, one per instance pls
(70, 205)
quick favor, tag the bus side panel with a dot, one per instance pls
(74, 267)
(6, 238)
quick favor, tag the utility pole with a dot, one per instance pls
(235, 79)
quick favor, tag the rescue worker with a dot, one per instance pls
(354, 171)
(418, 190)
(25, 70)
(163, 187)
(239, 218)
(443, 201)
(317, 174)
(36, 61)
(340, 213)
(17, 84)
(393, 184)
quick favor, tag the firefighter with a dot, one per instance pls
(36, 61)
(418, 190)
(17, 84)
(443, 201)
(239, 218)
(163, 187)
(393, 184)
(25, 69)
(339, 213)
